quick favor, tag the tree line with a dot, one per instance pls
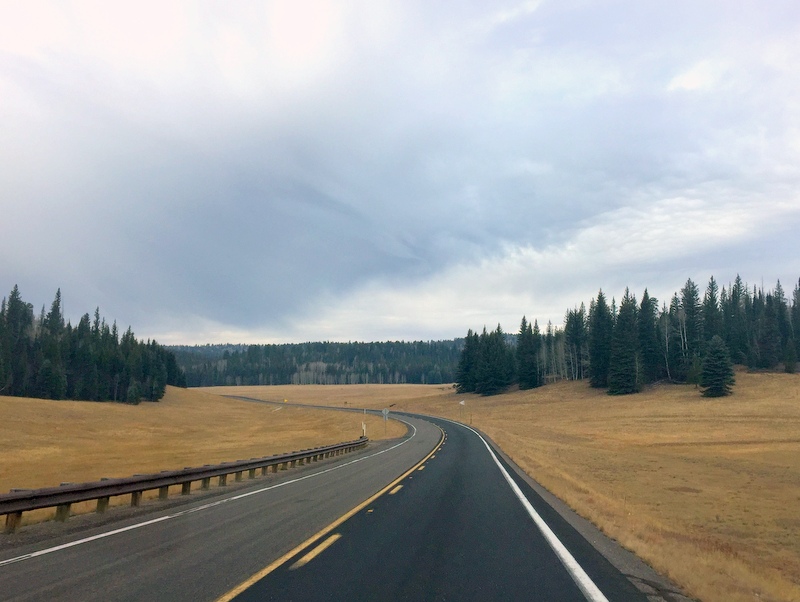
(48, 358)
(692, 339)
(419, 362)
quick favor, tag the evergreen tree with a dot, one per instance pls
(712, 318)
(601, 325)
(624, 375)
(575, 341)
(691, 320)
(767, 345)
(496, 364)
(678, 357)
(649, 339)
(717, 377)
(467, 371)
(19, 330)
(526, 356)
(538, 345)
(794, 312)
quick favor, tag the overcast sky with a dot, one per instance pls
(294, 171)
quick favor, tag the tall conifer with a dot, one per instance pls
(625, 366)
(601, 324)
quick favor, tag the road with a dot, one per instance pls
(452, 529)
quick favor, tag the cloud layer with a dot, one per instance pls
(288, 171)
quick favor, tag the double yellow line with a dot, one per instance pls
(319, 535)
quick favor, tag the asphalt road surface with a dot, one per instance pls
(350, 528)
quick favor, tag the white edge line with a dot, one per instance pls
(582, 580)
(203, 507)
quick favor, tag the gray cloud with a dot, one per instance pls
(352, 170)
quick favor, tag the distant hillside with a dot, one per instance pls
(419, 362)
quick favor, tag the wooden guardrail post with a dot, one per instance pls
(205, 483)
(238, 476)
(136, 499)
(186, 488)
(223, 480)
(251, 474)
(62, 512)
(102, 504)
(163, 492)
(13, 520)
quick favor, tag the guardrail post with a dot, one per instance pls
(136, 499)
(62, 512)
(223, 480)
(102, 504)
(186, 488)
(238, 476)
(163, 492)
(205, 483)
(13, 521)
(251, 474)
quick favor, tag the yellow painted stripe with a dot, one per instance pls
(421, 468)
(395, 490)
(316, 552)
(294, 552)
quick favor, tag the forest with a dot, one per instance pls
(325, 363)
(623, 348)
(47, 358)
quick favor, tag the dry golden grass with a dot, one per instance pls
(43, 443)
(705, 490)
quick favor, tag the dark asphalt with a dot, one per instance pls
(455, 531)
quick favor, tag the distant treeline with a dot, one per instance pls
(324, 363)
(48, 358)
(623, 348)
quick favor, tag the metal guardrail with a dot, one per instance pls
(16, 502)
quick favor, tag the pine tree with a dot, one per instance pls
(527, 370)
(624, 368)
(496, 364)
(466, 373)
(717, 377)
(601, 324)
(712, 320)
(767, 343)
(649, 339)
(575, 340)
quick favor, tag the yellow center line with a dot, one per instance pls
(395, 490)
(292, 553)
(421, 468)
(316, 552)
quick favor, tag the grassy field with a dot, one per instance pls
(44, 443)
(707, 491)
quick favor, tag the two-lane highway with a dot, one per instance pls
(452, 528)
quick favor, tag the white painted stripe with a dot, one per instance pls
(579, 576)
(240, 496)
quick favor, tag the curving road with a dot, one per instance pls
(452, 529)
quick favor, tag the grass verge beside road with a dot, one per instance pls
(44, 442)
(706, 490)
